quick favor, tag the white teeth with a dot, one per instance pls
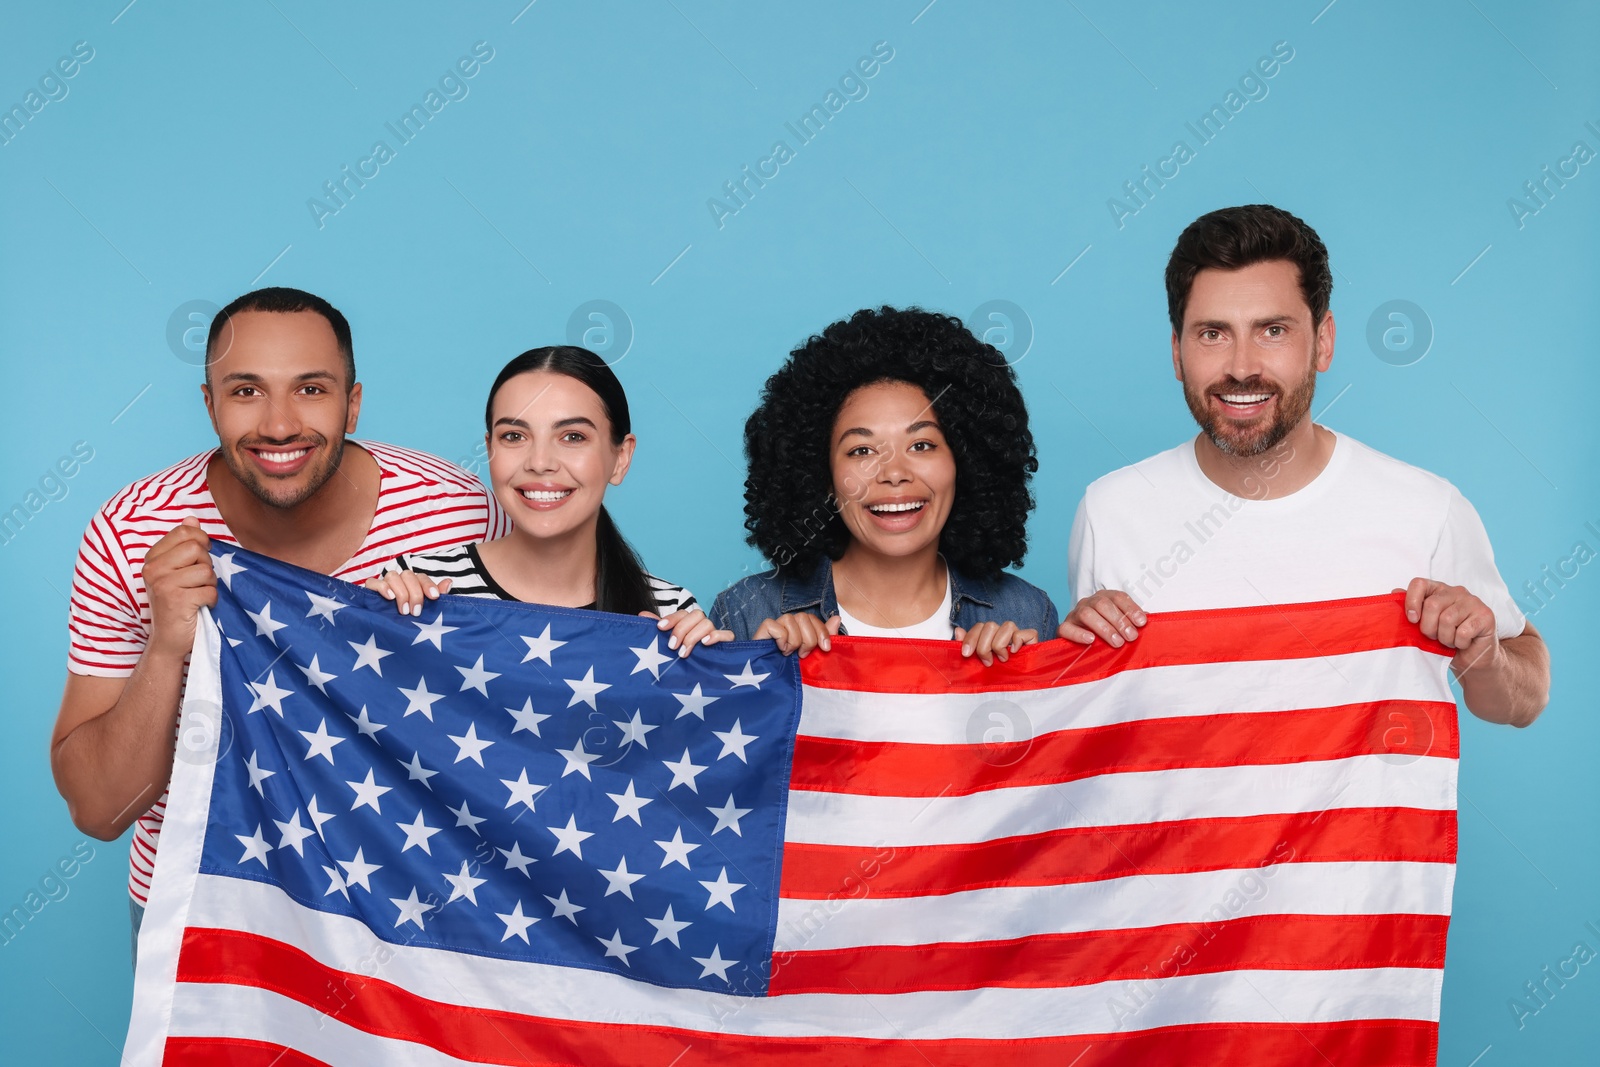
(1245, 398)
(543, 496)
(881, 509)
(283, 457)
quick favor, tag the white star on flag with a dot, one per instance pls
(255, 846)
(411, 909)
(540, 647)
(369, 655)
(515, 860)
(516, 923)
(317, 817)
(569, 837)
(316, 676)
(321, 742)
(683, 771)
(433, 632)
(225, 568)
(416, 772)
(747, 677)
(365, 725)
(475, 677)
(620, 880)
(734, 741)
(722, 891)
(294, 834)
(268, 695)
(266, 626)
(577, 760)
(677, 850)
(650, 659)
(585, 689)
(615, 947)
(368, 792)
(322, 605)
(527, 718)
(634, 729)
(419, 699)
(358, 870)
(668, 927)
(565, 909)
(335, 884)
(694, 703)
(522, 790)
(728, 817)
(258, 774)
(714, 962)
(417, 834)
(628, 804)
(464, 817)
(464, 885)
(468, 746)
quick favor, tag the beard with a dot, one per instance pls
(1233, 439)
(268, 490)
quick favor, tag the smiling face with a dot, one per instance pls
(550, 453)
(280, 403)
(1249, 354)
(893, 472)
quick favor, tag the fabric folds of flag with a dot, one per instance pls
(503, 833)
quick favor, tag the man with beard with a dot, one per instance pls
(281, 393)
(1266, 507)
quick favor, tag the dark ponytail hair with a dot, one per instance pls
(620, 582)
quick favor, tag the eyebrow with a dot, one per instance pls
(862, 431)
(522, 424)
(308, 376)
(1218, 324)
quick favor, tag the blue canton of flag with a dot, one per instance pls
(504, 779)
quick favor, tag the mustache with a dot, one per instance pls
(1253, 384)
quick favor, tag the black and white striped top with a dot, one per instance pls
(468, 577)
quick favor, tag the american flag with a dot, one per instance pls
(505, 833)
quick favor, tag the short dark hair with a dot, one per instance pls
(790, 509)
(282, 299)
(1235, 237)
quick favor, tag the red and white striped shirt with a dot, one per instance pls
(424, 503)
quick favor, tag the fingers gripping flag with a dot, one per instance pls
(505, 833)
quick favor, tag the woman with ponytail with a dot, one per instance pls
(558, 433)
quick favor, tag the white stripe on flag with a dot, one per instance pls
(1130, 798)
(1134, 902)
(1150, 693)
(594, 996)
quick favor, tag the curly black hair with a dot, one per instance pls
(790, 510)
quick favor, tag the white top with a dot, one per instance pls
(936, 627)
(1174, 540)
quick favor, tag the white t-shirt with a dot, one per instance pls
(1174, 540)
(936, 627)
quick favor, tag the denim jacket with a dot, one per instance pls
(745, 605)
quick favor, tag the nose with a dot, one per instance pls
(1245, 359)
(893, 468)
(540, 457)
(278, 422)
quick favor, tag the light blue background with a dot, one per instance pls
(978, 168)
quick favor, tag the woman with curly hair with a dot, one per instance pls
(888, 484)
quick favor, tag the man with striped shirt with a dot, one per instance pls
(284, 481)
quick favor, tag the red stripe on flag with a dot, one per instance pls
(234, 1051)
(900, 769)
(1290, 631)
(1262, 942)
(471, 1033)
(1096, 853)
